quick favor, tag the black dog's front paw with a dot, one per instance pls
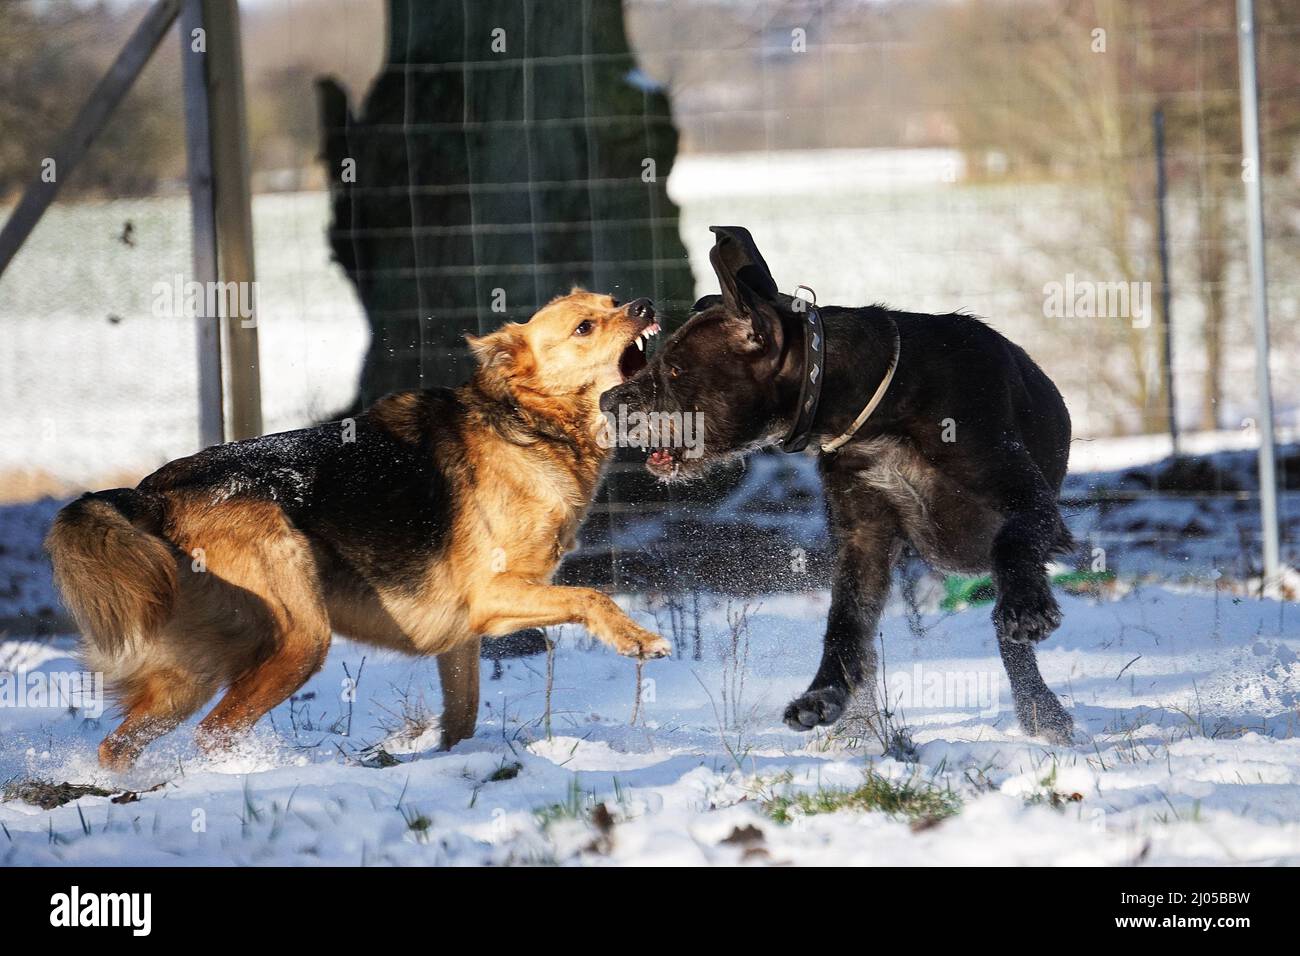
(1026, 615)
(816, 708)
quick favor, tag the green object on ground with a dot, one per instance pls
(962, 592)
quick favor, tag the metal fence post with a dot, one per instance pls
(1253, 174)
(216, 139)
(203, 224)
(232, 197)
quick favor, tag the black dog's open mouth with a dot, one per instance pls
(633, 358)
(662, 463)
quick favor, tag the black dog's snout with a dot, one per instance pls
(614, 397)
(641, 309)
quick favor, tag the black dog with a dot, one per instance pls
(933, 430)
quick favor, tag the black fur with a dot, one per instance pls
(963, 459)
(375, 500)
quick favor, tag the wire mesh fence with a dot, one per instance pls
(993, 157)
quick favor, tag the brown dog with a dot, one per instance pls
(434, 519)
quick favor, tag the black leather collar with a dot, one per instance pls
(810, 389)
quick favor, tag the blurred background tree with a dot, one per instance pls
(1065, 90)
(51, 57)
(509, 150)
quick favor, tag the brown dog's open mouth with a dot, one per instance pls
(633, 358)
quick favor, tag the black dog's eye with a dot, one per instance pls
(674, 371)
(584, 327)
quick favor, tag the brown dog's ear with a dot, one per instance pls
(495, 348)
(499, 356)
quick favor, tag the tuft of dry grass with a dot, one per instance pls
(47, 794)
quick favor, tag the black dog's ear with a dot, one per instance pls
(742, 273)
(748, 288)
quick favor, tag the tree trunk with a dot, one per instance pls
(509, 150)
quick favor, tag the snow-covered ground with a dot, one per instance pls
(1188, 706)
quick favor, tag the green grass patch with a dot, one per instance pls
(416, 822)
(575, 805)
(916, 801)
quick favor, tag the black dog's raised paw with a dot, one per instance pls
(815, 708)
(1026, 616)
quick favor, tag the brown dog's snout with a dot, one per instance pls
(641, 309)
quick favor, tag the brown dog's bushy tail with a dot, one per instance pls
(117, 578)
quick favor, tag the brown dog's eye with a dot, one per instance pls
(584, 328)
(674, 371)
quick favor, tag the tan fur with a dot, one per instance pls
(118, 582)
(229, 593)
(458, 672)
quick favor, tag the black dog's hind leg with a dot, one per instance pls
(1026, 611)
(865, 534)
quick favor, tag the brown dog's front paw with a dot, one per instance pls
(632, 640)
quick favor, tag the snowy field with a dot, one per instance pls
(96, 389)
(1188, 707)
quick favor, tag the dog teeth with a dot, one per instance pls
(643, 336)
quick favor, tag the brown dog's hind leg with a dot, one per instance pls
(155, 705)
(300, 650)
(262, 688)
(279, 610)
(458, 673)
